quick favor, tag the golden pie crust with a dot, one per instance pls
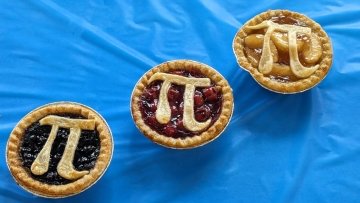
(189, 142)
(22, 176)
(292, 86)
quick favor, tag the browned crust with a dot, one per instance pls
(189, 142)
(22, 176)
(291, 87)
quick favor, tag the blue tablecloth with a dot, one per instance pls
(277, 148)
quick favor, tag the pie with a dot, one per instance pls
(59, 149)
(182, 104)
(284, 51)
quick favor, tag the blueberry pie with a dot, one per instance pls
(284, 51)
(182, 104)
(59, 149)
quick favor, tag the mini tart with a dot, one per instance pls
(198, 115)
(29, 138)
(283, 64)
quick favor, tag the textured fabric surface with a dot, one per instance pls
(277, 148)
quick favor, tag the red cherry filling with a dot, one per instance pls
(174, 94)
(152, 106)
(207, 105)
(152, 93)
(151, 120)
(178, 72)
(174, 110)
(202, 113)
(177, 109)
(179, 123)
(198, 98)
(170, 130)
(211, 93)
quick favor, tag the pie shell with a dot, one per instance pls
(21, 174)
(189, 142)
(273, 85)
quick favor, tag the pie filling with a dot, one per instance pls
(207, 106)
(35, 137)
(309, 48)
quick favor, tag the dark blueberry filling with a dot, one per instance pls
(207, 104)
(86, 153)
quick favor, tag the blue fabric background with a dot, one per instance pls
(277, 148)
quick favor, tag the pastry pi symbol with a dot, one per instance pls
(65, 167)
(266, 60)
(163, 112)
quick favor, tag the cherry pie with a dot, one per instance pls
(182, 104)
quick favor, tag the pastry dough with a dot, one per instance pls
(266, 60)
(163, 112)
(65, 167)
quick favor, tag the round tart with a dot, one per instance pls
(182, 104)
(59, 149)
(284, 51)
